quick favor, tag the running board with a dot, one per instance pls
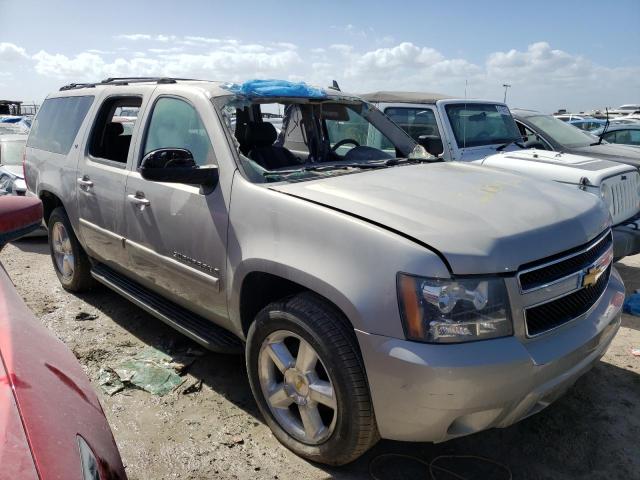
(198, 328)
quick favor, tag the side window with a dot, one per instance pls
(176, 124)
(531, 136)
(634, 137)
(610, 137)
(414, 121)
(111, 134)
(344, 123)
(57, 123)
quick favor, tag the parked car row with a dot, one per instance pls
(399, 269)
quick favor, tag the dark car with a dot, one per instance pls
(625, 134)
(548, 133)
(51, 423)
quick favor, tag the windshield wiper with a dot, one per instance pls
(604, 130)
(512, 142)
(402, 161)
(324, 168)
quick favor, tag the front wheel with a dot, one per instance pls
(70, 261)
(308, 379)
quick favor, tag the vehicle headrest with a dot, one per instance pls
(113, 129)
(260, 134)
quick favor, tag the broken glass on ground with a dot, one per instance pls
(151, 370)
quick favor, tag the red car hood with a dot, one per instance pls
(53, 396)
(15, 455)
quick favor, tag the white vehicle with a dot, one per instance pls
(629, 109)
(567, 117)
(484, 132)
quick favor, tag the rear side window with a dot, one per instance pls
(57, 123)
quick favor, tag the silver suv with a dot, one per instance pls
(375, 291)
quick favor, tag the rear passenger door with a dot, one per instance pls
(176, 233)
(102, 174)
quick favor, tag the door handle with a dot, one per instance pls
(85, 183)
(139, 200)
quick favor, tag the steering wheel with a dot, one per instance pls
(344, 142)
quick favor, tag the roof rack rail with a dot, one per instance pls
(127, 80)
(71, 86)
(124, 81)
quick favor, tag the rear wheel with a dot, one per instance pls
(70, 261)
(308, 379)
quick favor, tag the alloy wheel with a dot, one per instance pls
(297, 387)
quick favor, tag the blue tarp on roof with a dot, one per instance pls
(276, 88)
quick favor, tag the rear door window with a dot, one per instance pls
(57, 123)
(111, 133)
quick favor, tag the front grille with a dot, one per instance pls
(621, 195)
(566, 264)
(553, 314)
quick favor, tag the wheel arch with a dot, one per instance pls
(257, 286)
(50, 201)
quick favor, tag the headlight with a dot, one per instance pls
(90, 470)
(605, 194)
(447, 311)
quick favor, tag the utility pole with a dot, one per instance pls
(506, 86)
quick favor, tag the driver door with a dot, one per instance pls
(176, 233)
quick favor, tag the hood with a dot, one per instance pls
(561, 167)
(483, 220)
(610, 151)
(15, 454)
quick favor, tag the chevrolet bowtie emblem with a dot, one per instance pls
(591, 276)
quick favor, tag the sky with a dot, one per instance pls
(577, 55)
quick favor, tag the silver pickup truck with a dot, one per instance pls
(376, 292)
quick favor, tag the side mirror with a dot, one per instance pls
(176, 165)
(432, 143)
(18, 216)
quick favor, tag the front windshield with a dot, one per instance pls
(565, 135)
(11, 152)
(299, 139)
(479, 124)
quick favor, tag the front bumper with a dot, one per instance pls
(425, 392)
(626, 239)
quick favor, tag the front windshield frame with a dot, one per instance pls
(461, 134)
(560, 131)
(11, 152)
(406, 147)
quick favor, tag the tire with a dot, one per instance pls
(350, 429)
(70, 261)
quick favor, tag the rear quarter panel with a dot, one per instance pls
(58, 173)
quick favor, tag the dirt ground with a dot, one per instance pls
(592, 432)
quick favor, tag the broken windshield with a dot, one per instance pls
(287, 139)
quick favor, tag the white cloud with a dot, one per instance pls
(542, 77)
(134, 36)
(146, 37)
(231, 60)
(11, 53)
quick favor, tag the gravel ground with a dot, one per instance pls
(592, 432)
